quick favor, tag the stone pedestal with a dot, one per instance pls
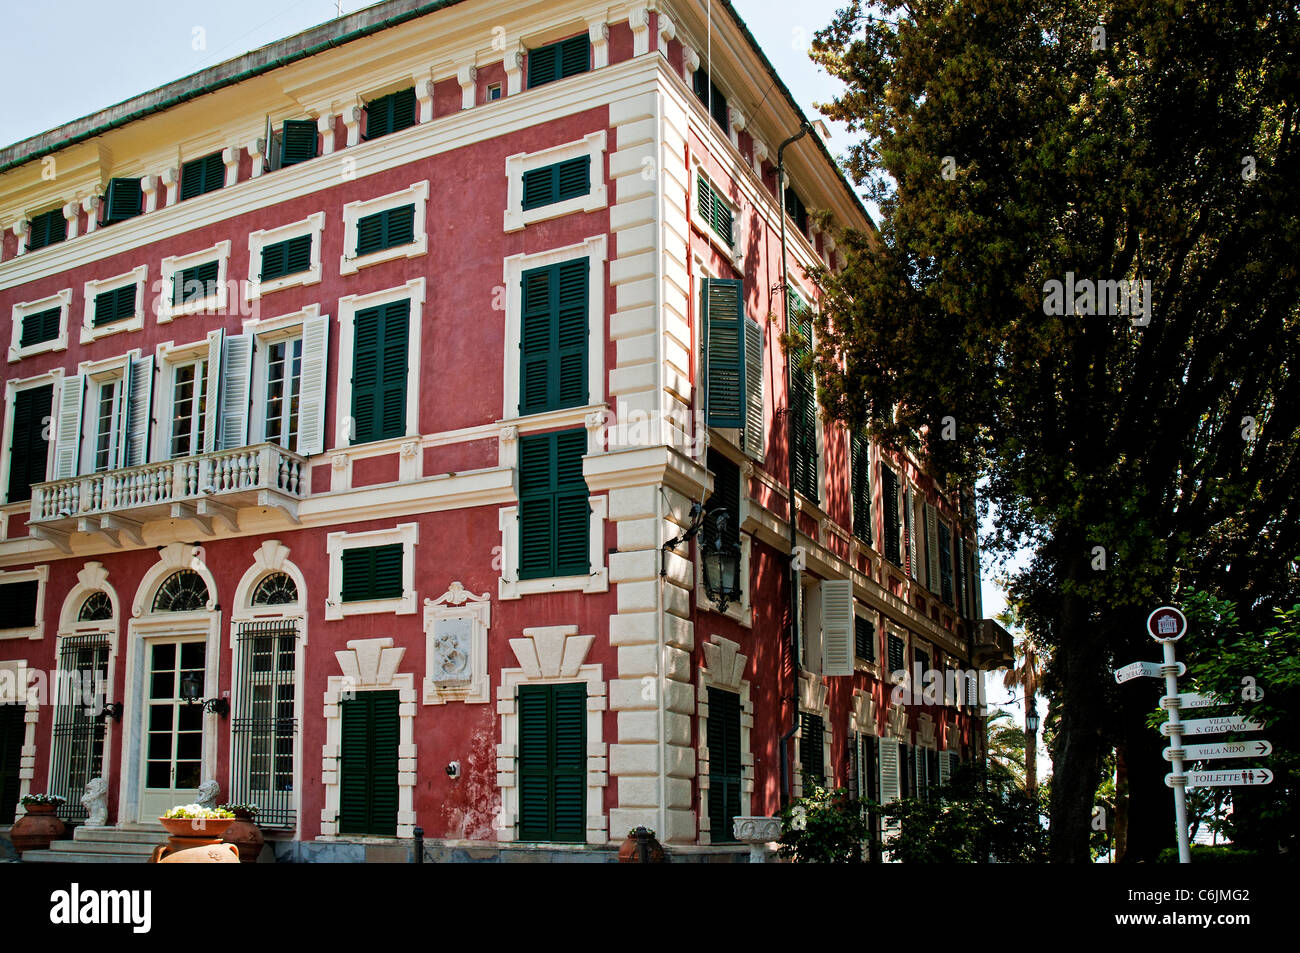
(757, 832)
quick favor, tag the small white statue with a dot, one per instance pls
(95, 801)
(209, 793)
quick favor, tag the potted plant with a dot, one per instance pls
(244, 832)
(194, 821)
(39, 825)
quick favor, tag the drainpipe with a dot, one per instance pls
(787, 787)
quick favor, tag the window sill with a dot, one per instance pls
(258, 288)
(597, 581)
(403, 606)
(212, 304)
(60, 343)
(350, 266)
(93, 333)
(27, 632)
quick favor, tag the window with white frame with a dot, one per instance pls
(287, 384)
(364, 579)
(554, 182)
(378, 391)
(40, 325)
(115, 304)
(715, 215)
(22, 592)
(384, 228)
(193, 283)
(104, 425)
(25, 455)
(287, 256)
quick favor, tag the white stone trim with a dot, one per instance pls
(348, 308)
(12, 386)
(813, 699)
(594, 249)
(369, 665)
(416, 194)
(41, 574)
(510, 586)
(458, 604)
(733, 252)
(173, 558)
(313, 225)
(21, 309)
(862, 713)
(92, 577)
(722, 668)
(408, 534)
(592, 144)
(138, 276)
(164, 307)
(553, 655)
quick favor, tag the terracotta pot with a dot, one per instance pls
(209, 854)
(35, 829)
(212, 829)
(247, 836)
(630, 852)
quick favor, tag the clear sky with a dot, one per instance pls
(142, 44)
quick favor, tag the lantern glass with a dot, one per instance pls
(1031, 720)
(721, 567)
(190, 688)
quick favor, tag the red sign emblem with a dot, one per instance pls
(1166, 624)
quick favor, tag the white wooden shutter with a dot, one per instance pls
(945, 767)
(67, 438)
(837, 626)
(932, 547)
(754, 433)
(975, 582)
(909, 531)
(213, 410)
(311, 386)
(138, 413)
(237, 368)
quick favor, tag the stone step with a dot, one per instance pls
(113, 835)
(102, 847)
(82, 857)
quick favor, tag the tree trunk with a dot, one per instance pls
(1151, 801)
(1031, 759)
(1121, 802)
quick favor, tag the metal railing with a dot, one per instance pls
(78, 730)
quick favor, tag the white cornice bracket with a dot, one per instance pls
(598, 31)
(467, 76)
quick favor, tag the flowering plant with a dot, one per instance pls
(199, 812)
(237, 809)
(56, 799)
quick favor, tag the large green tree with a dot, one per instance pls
(1014, 144)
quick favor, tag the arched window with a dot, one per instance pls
(276, 589)
(183, 591)
(97, 607)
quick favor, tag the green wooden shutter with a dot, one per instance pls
(288, 257)
(27, 447)
(554, 508)
(388, 571)
(543, 65)
(115, 305)
(704, 198)
(123, 200)
(13, 732)
(575, 55)
(864, 639)
(945, 562)
(722, 217)
(725, 769)
(557, 182)
(723, 318)
(889, 501)
(391, 113)
(804, 395)
(811, 756)
(297, 141)
(379, 371)
(48, 228)
(552, 762)
(559, 60)
(754, 437)
(370, 234)
(200, 176)
(372, 572)
(553, 337)
(860, 466)
(386, 229)
(368, 764)
(40, 326)
(195, 284)
(897, 657)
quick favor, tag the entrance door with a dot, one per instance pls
(173, 730)
(79, 731)
(368, 764)
(13, 727)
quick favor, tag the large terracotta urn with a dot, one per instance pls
(245, 835)
(641, 848)
(37, 828)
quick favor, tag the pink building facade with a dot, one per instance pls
(357, 391)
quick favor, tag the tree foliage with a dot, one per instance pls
(1013, 144)
(824, 827)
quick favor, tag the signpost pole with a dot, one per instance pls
(1170, 671)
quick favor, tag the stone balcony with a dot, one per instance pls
(207, 490)
(991, 646)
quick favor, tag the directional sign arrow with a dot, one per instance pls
(1213, 726)
(1223, 779)
(1192, 700)
(1224, 749)
(1139, 669)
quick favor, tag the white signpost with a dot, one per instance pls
(1214, 726)
(1143, 670)
(1192, 700)
(1225, 749)
(1223, 779)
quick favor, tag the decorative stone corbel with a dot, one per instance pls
(410, 461)
(72, 215)
(230, 158)
(690, 62)
(598, 31)
(21, 229)
(90, 205)
(424, 96)
(761, 152)
(352, 120)
(325, 126)
(514, 67)
(171, 180)
(508, 447)
(257, 152)
(736, 122)
(149, 186)
(639, 20)
(667, 30)
(467, 76)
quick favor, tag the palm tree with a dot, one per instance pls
(1006, 752)
(1026, 676)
